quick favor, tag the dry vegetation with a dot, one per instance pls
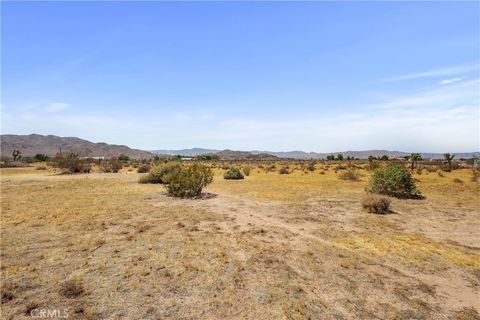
(270, 246)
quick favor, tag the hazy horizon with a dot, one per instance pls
(277, 76)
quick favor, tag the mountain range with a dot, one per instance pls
(32, 144)
(313, 155)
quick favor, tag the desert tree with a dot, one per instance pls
(16, 154)
(414, 158)
(449, 157)
(371, 164)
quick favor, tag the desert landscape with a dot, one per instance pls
(296, 245)
(227, 160)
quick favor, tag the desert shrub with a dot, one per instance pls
(158, 174)
(457, 180)
(123, 157)
(188, 181)
(311, 166)
(233, 174)
(41, 168)
(71, 163)
(440, 174)
(144, 168)
(246, 170)
(431, 169)
(340, 167)
(374, 203)
(322, 172)
(450, 167)
(40, 157)
(271, 168)
(393, 180)
(284, 170)
(350, 174)
(111, 165)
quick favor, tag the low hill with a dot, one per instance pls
(185, 152)
(244, 155)
(29, 145)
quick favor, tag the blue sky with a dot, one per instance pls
(312, 76)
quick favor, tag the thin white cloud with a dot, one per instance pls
(450, 81)
(53, 107)
(440, 119)
(441, 72)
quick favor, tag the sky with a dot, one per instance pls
(277, 76)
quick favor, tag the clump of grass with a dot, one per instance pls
(440, 174)
(71, 288)
(457, 180)
(394, 180)
(246, 170)
(284, 170)
(8, 291)
(41, 168)
(350, 174)
(233, 174)
(374, 203)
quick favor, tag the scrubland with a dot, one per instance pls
(269, 246)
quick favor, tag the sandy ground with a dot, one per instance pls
(271, 246)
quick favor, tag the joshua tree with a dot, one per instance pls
(340, 157)
(449, 157)
(414, 157)
(371, 166)
(16, 154)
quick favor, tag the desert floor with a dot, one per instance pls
(271, 246)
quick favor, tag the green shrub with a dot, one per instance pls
(233, 174)
(376, 204)
(246, 170)
(158, 174)
(188, 181)
(40, 157)
(393, 180)
(71, 163)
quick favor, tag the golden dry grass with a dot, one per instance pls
(295, 246)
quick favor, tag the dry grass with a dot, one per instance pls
(376, 204)
(272, 246)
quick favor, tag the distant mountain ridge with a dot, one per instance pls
(30, 145)
(315, 155)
